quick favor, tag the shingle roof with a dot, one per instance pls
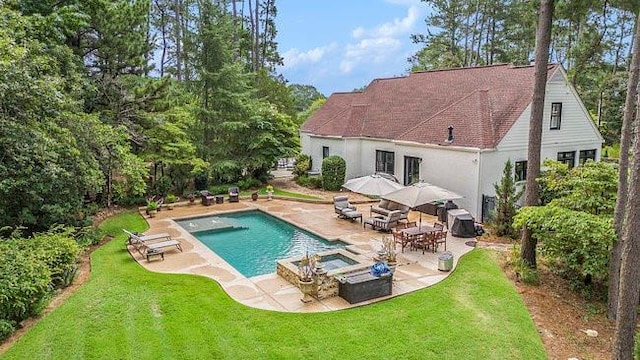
(481, 103)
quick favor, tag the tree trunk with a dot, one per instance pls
(625, 143)
(532, 198)
(629, 294)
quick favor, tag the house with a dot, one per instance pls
(454, 128)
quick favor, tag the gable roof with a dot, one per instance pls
(481, 104)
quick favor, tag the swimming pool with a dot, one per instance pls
(252, 241)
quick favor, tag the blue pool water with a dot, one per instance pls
(252, 241)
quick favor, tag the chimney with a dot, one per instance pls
(450, 137)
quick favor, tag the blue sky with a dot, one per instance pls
(340, 45)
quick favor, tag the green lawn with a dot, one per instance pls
(126, 312)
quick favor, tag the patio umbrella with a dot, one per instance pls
(419, 194)
(374, 185)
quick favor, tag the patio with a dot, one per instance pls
(271, 292)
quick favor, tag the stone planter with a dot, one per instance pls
(254, 196)
(306, 287)
(152, 213)
(269, 195)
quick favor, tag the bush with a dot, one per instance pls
(303, 164)
(59, 251)
(219, 189)
(312, 182)
(24, 284)
(6, 328)
(334, 169)
(249, 183)
(201, 181)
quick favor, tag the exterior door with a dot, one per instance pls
(411, 170)
(488, 206)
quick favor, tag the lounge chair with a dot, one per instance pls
(146, 238)
(341, 205)
(146, 244)
(234, 192)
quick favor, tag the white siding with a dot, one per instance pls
(436, 166)
(577, 131)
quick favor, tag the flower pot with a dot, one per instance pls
(254, 196)
(306, 287)
(269, 195)
(152, 213)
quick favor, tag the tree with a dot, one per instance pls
(304, 96)
(505, 203)
(629, 291)
(625, 143)
(543, 36)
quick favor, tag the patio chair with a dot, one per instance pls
(385, 223)
(422, 241)
(401, 239)
(234, 193)
(438, 226)
(411, 224)
(440, 237)
(207, 197)
(340, 204)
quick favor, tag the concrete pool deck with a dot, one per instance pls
(271, 292)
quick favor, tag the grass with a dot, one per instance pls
(284, 193)
(124, 311)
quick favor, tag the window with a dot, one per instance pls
(556, 115)
(586, 155)
(521, 170)
(568, 158)
(385, 161)
(325, 152)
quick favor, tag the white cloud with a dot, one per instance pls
(374, 50)
(395, 28)
(383, 42)
(294, 57)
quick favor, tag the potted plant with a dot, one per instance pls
(170, 200)
(269, 192)
(191, 198)
(306, 272)
(254, 196)
(152, 208)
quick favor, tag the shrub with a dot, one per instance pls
(313, 182)
(303, 164)
(333, 172)
(219, 189)
(6, 328)
(59, 251)
(24, 284)
(249, 183)
(201, 181)
(576, 243)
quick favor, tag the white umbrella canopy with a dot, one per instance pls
(374, 185)
(419, 194)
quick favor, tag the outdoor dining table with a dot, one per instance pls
(417, 230)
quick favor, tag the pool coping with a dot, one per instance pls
(271, 292)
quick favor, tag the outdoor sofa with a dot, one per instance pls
(385, 207)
